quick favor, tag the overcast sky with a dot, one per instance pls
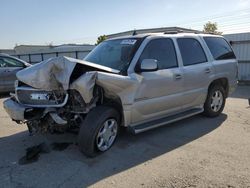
(81, 21)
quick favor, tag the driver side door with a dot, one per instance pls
(159, 93)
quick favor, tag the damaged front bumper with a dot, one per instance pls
(22, 113)
(40, 108)
(31, 116)
(30, 103)
(15, 110)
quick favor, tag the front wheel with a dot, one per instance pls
(99, 130)
(215, 101)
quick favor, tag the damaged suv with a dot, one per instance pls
(139, 82)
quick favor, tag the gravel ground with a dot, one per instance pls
(195, 152)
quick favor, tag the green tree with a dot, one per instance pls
(210, 27)
(100, 39)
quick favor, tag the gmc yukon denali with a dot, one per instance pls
(139, 82)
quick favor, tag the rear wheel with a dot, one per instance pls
(215, 101)
(99, 130)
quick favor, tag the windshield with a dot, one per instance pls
(115, 54)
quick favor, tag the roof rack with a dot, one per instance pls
(181, 31)
(174, 31)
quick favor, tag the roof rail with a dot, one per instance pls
(181, 31)
(174, 31)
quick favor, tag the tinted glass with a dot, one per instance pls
(2, 63)
(9, 62)
(163, 51)
(219, 48)
(115, 54)
(191, 51)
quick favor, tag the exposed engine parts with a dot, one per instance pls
(64, 118)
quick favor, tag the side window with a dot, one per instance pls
(9, 62)
(191, 51)
(163, 51)
(219, 48)
(2, 63)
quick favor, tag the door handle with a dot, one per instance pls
(7, 71)
(178, 76)
(207, 70)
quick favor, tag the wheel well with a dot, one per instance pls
(116, 104)
(113, 101)
(221, 81)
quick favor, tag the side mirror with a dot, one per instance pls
(149, 65)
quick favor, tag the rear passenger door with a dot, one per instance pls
(197, 71)
(159, 92)
(224, 63)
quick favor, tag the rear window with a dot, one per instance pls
(219, 48)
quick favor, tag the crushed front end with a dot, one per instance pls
(42, 111)
(57, 94)
(47, 99)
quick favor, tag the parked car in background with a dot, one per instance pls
(9, 66)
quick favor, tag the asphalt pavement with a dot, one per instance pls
(195, 152)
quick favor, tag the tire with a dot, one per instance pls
(93, 132)
(216, 95)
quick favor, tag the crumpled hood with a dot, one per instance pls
(54, 73)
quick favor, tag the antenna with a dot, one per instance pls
(134, 33)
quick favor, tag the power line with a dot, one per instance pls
(212, 17)
(226, 23)
(194, 22)
(233, 19)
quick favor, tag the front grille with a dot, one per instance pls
(40, 98)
